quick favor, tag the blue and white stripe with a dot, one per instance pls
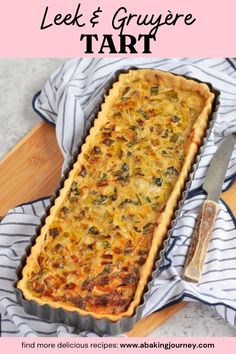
(68, 100)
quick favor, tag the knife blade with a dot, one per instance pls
(212, 186)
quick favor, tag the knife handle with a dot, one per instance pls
(200, 241)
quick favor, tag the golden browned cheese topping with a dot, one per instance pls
(101, 236)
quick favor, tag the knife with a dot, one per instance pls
(212, 186)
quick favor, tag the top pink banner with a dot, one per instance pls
(105, 28)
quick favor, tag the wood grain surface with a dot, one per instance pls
(200, 241)
(32, 170)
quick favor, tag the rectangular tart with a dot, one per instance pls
(96, 251)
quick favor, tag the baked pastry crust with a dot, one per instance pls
(156, 79)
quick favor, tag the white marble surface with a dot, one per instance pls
(195, 320)
(20, 79)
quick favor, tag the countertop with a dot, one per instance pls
(20, 79)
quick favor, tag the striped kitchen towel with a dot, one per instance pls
(68, 100)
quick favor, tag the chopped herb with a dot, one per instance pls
(107, 269)
(128, 201)
(73, 194)
(155, 206)
(135, 128)
(115, 195)
(108, 141)
(143, 114)
(93, 192)
(129, 153)
(64, 210)
(124, 202)
(127, 251)
(83, 171)
(58, 246)
(133, 142)
(148, 228)
(158, 181)
(139, 200)
(172, 95)
(54, 232)
(106, 244)
(164, 152)
(154, 90)
(93, 230)
(123, 179)
(125, 93)
(135, 270)
(143, 252)
(125, 167)
(171, 171)
(166, 133)
(103, 176)
(174, 138)
(97, 149)
(74, 188)
(138, 171)
(148, 199)
(101, 200)
(175, 119)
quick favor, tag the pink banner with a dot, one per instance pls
(116, 345)
(43, 28)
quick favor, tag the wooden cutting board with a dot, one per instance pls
(32, 170)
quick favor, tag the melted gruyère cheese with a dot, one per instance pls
(101, 236)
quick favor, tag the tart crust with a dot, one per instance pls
(194, 142)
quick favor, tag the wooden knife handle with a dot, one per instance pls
(200, 241)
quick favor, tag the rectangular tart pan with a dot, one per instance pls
(87, 322)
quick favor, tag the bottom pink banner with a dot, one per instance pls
(115, 345)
